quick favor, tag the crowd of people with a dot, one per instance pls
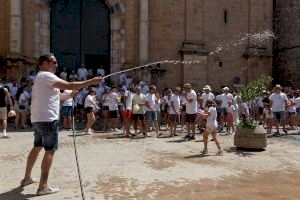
(132, 107)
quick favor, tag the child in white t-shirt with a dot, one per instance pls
(268, 117)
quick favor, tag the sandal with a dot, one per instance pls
(204, 152)
(27, 182)
(47, 191)
(220, 152)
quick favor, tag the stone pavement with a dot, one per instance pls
(114, 167)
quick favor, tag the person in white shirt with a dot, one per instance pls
(224, 98)
(166, 107)
(174, 111)
(66, 111)
(297, 105)
(90, 106)
(82, 73)
(128, 96)
(32, 76)
(268, 117)
(63, 75)
(23, 106)
(45, 106)
(190, 100)
(278, 103)
(138, 111)
(211, 126)
(291, 111)
(13, 87)
(113, 100)
(151, 114)
(100, 71)
(207, 95)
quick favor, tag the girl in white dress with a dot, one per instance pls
(211, 126)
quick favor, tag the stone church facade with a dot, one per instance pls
(143, 31)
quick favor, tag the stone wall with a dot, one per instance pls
(287, 44)
(4, 27)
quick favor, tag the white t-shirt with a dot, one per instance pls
(291, 109)
(101, 72)
(68, 101)
(24, 98)
(157, 105)
(89, 101)
(82, 73)
(245, 110)
(211, 120)
(112, 101)
(150, 98)
(225, 98)
(128, 103)
(278, 101)
(268, 114)
(175, 100)
(79, 99)
(136, 100)
(63, 75)
(191, 108)
(45, 98)
(13, 89)
(207, 96)
(144, 89)
(297, 102)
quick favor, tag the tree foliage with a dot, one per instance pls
(255, 88)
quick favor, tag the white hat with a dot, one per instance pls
(226, 88)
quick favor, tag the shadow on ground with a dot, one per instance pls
(16, 194)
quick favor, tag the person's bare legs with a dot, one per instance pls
(214, 136)
(187, 124)
(45, 167)
(193, 127)
(31, 161)
(17, 119)
(205, 138)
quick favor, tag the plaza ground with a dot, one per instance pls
(114, 167)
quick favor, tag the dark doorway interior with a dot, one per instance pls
(80, 33)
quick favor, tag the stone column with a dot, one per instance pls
(143, 39)
(16, 26)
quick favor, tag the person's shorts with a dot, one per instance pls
(138, 117)
(229, 117)
(291, 114)
(298, 111)
(88, 110)
(66, 111)
(22, 108)
(3, 113)
(175, 118)
(113, 114)
(127, 114)
(260, 110)
(16, 107)
(105, 108)
(151, 116)
(46, 135)
(223, 111)
(190, 118)
(279, 116)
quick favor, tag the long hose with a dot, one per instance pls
(76, 154)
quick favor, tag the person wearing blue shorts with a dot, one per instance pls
(45, 106)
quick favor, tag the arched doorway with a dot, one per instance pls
(80, 33)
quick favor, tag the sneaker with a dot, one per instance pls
(276, 134)
(5, 136)
(187, 136)
(27, 182)
(47, 191)
(285, 131)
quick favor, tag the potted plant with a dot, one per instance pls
(248, 133)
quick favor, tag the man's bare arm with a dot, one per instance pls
(64, 85)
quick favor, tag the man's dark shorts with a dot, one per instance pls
(190, 118)
(223, 111)
(175, 118)
(46, 135)
(279, 116)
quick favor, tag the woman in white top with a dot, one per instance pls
(89, 107)
(291, 111)
(211, 125)
(268, 117)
